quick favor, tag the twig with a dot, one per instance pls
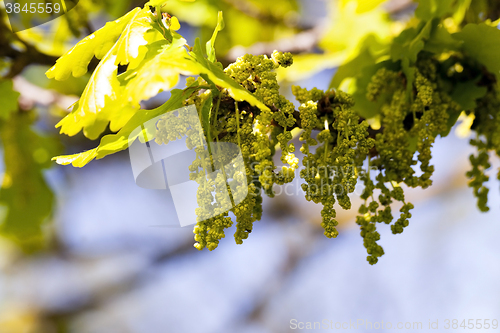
(396, 7)
(32, 94)
(305, 41)
(251, 10)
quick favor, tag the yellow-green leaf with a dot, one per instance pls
(76, 60)
(134, 37)
(349, 28)
(174, 23)
(100, 102)
(367, 5)
(159, 71)
(211, 43)
(113, 143)
(109, 99)
(77, 160)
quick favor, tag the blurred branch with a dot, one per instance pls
(32, 94)
(301, 42)
(20, 59)
(251, 10)
(395, 7)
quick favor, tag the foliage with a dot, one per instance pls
(8, 98)
(25, 197)
(246, 23)
(397, 88)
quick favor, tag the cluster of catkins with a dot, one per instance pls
(257, 133)
(332, 159)
(486, 127)
(410, 121)
(339, 147)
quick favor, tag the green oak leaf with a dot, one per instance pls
(430, 9)
(467, 93)
(482, 43)
(112, 99)
(354, 67)
(441, 41)
(364, 107)
(410, 42)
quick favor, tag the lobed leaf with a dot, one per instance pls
(467, 93)
(133, 37)
(75, 62)
(441, 40)
(158, 72)
(108, 99)
(353, 68)
(100, 96)
(113, 99)
(113, 143)
(410, 42)
(482, 43)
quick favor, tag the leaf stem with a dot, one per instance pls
(237, 123)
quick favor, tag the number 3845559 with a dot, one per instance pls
(33, 8)
(471, 324)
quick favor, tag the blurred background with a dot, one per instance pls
(86, 250)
